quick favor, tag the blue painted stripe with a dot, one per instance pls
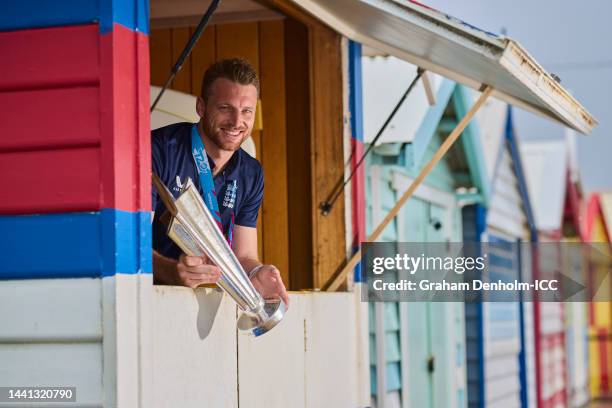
(356, 90)
(520, 174)
(75, 244)
(523, 342)
(18, 15)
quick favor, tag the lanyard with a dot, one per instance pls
(206, 181)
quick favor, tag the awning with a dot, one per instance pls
(454, 49)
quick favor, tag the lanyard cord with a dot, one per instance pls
(328, 204)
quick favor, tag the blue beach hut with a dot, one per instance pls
(500, 343)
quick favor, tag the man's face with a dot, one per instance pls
(228, 114)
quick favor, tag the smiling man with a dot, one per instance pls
(228, 178)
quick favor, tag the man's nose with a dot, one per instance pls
(235, 118)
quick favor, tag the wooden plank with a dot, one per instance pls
(51, 57)
(322, 387)
(205, 329)
(73, 185)
(277, 361)
(59, 364)
(327, 153)
(202, 56)
(274, 146)
(160, 45)
(182, 81)
(238, 40)
(242, 40)
(54, 126)
(124, 117)
(298, 155)
(43, 310)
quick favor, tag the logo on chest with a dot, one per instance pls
(229, 199)
(179, 185)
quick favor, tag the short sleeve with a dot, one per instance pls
(157, 160)
(247, 214)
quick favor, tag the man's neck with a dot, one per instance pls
(219, 156)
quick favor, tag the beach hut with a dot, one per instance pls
(83, 311)
(417, 349)
(561, 328)
(575, 267)
(500, 352)
(597, 231)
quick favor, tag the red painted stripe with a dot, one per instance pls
(124, 81)
(49, 118)
(143, 154)
(49, 57)
(602, 339)
(50, 181)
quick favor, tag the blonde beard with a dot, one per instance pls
(217, 139)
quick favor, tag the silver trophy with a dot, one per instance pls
(192, 227)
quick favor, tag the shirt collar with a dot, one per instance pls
(233, 165)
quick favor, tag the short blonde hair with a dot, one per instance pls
(237, 70)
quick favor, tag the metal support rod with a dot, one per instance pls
(187, 50)
(336, 280)
(328, 204)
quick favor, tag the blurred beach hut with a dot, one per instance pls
(500, 337)
(420, 359)
(561, 328)
(597, 233)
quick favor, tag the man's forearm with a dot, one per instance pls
(164, 269)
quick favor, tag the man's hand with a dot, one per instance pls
(194, 270)
(269, 284)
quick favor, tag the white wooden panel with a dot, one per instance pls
(509, 207)
(545, 166)
(127, 337)
(501, 222)
(381, 95)
(331, 351)
(271, 368)
(50, 310)
(578, 381)
(506, 389)
(502, 366)
(491, 119)
(510, 192)
(363, 347)
(47, 364)
(194, 346)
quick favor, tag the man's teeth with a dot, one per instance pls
(232, 133)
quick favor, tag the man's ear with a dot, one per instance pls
(200, 106)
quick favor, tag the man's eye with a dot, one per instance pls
(247, 111)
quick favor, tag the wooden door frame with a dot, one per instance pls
(326, 104)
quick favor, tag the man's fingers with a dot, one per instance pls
(202, 270)
(191, 260)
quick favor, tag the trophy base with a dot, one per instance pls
(275, 311)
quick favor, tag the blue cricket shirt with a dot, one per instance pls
(239, 186)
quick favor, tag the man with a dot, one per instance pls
(227, 113)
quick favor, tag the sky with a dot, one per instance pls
(571, 39)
